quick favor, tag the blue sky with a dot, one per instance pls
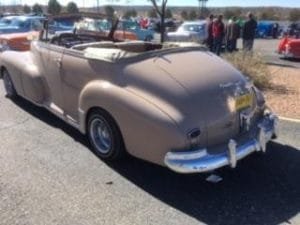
(224, 3)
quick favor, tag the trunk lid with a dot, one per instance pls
(196, 88)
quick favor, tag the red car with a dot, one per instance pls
(289, 47)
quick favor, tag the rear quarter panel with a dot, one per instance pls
(148, 133)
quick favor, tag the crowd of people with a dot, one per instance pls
(221, 35)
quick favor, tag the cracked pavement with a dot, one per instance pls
(48, 175)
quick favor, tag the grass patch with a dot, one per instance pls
(251, 65)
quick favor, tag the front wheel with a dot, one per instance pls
(104, 135)
(8, 85)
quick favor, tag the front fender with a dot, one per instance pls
(25, 75)
(12, 64)
(147, 131)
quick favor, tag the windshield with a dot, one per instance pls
(94, 25)
(5, 21)
(128, 25)
(62, 23)
(21, 23)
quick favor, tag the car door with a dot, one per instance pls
(51, 63)
(75, 74)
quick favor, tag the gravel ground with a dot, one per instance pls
(284, 97)
(49, 176)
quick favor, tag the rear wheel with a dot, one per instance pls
(8, 85)
(104, 135)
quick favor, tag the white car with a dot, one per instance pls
(195, 31)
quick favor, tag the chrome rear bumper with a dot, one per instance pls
(198, 161)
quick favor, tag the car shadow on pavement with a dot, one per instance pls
(263, 189)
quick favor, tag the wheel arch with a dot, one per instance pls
(94, 109)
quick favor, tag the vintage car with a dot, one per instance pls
(17, 41)
(102, 27)
(18, 33)
(5, 21)
(176, 105)
(289, 47)
(63, 22)
(134, 27)
(22, 24)
(189, 31)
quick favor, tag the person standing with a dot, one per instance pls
(275, 30)
(249, 30)
(232, 34)
(218, 30)
(210, 39)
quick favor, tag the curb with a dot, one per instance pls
(289, 119)
(281, 65)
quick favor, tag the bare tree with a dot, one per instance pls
(161, 11)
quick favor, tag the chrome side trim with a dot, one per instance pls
(198, 161)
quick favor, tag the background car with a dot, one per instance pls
(289, 47)
(102, 27)
(189, 31)
(133, 26)
(264, 29)
(22, 24)
(170, 25)
(19, 32)
(17, 41)
(5, 21)
(63, 22)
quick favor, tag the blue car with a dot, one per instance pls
(22, 24)
(133, 26)
(264, 29)
(63, 23)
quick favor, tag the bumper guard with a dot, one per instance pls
(198, 161)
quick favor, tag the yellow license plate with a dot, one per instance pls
(243, 101)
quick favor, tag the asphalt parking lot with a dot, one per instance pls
(48, 175)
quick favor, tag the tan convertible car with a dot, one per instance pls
(177, 106)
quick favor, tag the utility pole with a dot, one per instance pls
(98, 6)
(202, 6)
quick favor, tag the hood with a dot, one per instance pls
(195, 88)
(11, 29)
(12, 36)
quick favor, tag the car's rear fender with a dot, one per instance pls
(148, 132)
(25, 75)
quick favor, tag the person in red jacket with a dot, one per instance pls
(218, 30)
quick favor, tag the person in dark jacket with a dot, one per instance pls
(218, 29)
(232, 34)
(210, 39)
(249, 30)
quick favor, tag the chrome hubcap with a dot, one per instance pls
(101, 136)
